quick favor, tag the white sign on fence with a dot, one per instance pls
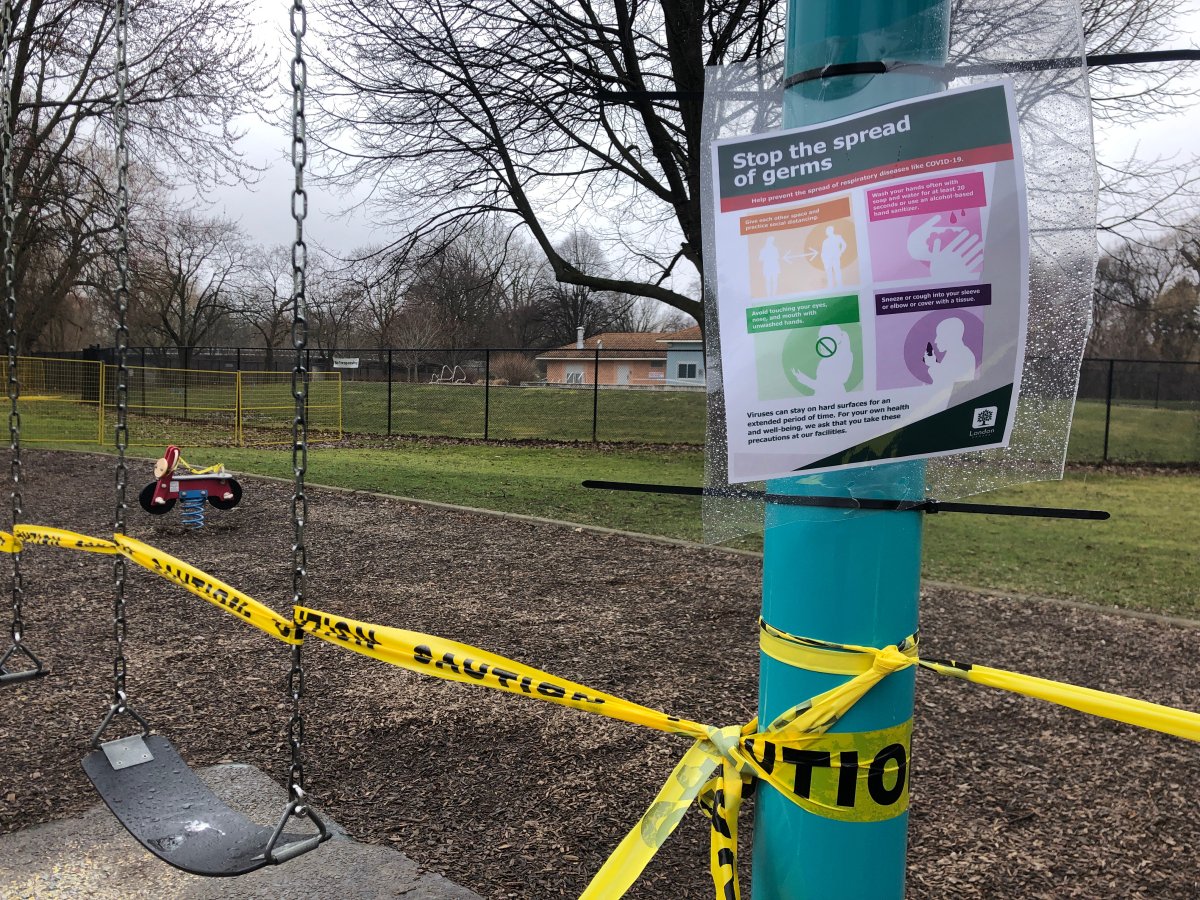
(345, 362)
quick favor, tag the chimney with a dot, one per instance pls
(579, 338)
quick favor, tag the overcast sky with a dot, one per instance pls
(263, 210)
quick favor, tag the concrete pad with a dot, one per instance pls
(93, 856)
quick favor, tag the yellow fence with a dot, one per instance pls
(74, 401)
(163, 403)
(60, 399)
(265, 404)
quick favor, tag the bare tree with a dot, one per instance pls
(263, 299)
(456, 284)
(382, 291)
(567, 307)
(193, 68)
(1146, 301)
(522, 281)
(499, 105)
(187, 273)
(650, 315)
(334, 304)
(416, 334)
(544, 112)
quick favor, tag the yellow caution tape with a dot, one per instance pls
(813, 655)
(631, 856)
(786, 754)
(826, 657)
(211, 589)
(1154, 716)
(860, 776)
(849, 776)
(453, 661)
(219, 468)
(45, 536)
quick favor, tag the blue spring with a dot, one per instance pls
(191, 508)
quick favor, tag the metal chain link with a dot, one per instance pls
(121, 120)
(8, 224)
(295, 684)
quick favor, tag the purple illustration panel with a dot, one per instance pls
(912, 348)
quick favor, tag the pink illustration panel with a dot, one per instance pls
(928, 229)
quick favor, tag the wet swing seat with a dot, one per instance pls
(176, 816)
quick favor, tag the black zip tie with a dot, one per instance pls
(928, 505)
(1093, 60)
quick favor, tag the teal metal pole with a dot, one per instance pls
(847, 576)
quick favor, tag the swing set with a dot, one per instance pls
(141, 777)
(177, 818)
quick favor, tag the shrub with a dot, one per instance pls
(513, 368)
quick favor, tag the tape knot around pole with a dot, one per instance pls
(891, 659)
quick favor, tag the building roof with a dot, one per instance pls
(635, 344)
(688, 335)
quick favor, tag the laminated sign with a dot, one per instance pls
(872, 281)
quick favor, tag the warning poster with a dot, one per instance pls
(872, 276)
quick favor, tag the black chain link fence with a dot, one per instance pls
(1134, 411)
(1137, 411)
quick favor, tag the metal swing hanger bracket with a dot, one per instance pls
(928, 505)
(18, 675)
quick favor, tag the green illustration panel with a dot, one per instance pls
(825, 362)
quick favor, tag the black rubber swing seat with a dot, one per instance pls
(176, 816)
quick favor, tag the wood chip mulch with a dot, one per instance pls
(1011, 797)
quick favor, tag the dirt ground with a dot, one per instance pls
(1011, 797)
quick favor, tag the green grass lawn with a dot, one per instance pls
(514, 413)
(207, 415)
(1144, 557)
(1136, 434)
(538, 481)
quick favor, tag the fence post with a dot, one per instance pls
(238, 365)
(187, 367)
(1108, 409)
(239, 438)
(100, 439)
(389, 376)
(595, 391)
(143, 381)
(487, 388)
(1157, 386)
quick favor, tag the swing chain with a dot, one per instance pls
(121, 122)
(299, 205)
(7, 128)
